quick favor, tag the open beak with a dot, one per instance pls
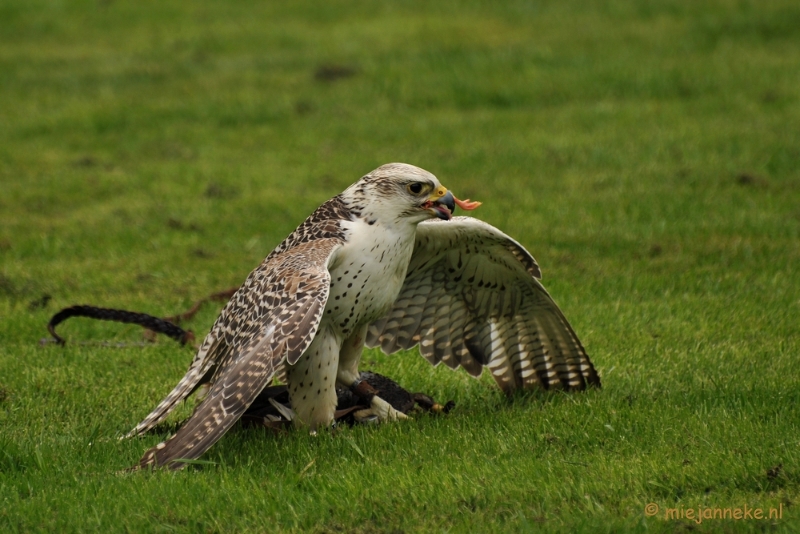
(444, 207)
(443, 203)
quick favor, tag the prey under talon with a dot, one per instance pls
(385, 411)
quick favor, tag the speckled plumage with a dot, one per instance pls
(468, 294)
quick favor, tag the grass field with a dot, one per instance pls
(646, 153)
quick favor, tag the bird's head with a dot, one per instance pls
(401, 192)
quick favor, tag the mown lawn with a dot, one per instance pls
(646, 153)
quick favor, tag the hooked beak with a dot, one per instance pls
(443, 203)
(444, 207)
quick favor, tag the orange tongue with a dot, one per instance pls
(467, 204)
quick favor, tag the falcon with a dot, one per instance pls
(382, 264)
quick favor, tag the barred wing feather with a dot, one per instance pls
(472, 298)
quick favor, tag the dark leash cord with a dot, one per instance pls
(166, 325)
(155, 324)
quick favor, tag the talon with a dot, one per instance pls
(365, 416)
(378, 412)
(386, 411)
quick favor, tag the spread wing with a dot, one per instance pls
(472, 297)
(273, 318)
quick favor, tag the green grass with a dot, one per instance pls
(646, 153)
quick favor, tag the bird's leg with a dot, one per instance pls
(378, 408)
(311, 382)
(348, 376)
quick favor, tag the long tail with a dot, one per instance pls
(202, 363)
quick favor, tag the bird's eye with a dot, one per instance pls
(415, 188)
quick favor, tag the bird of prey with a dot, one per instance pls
(382, 264)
